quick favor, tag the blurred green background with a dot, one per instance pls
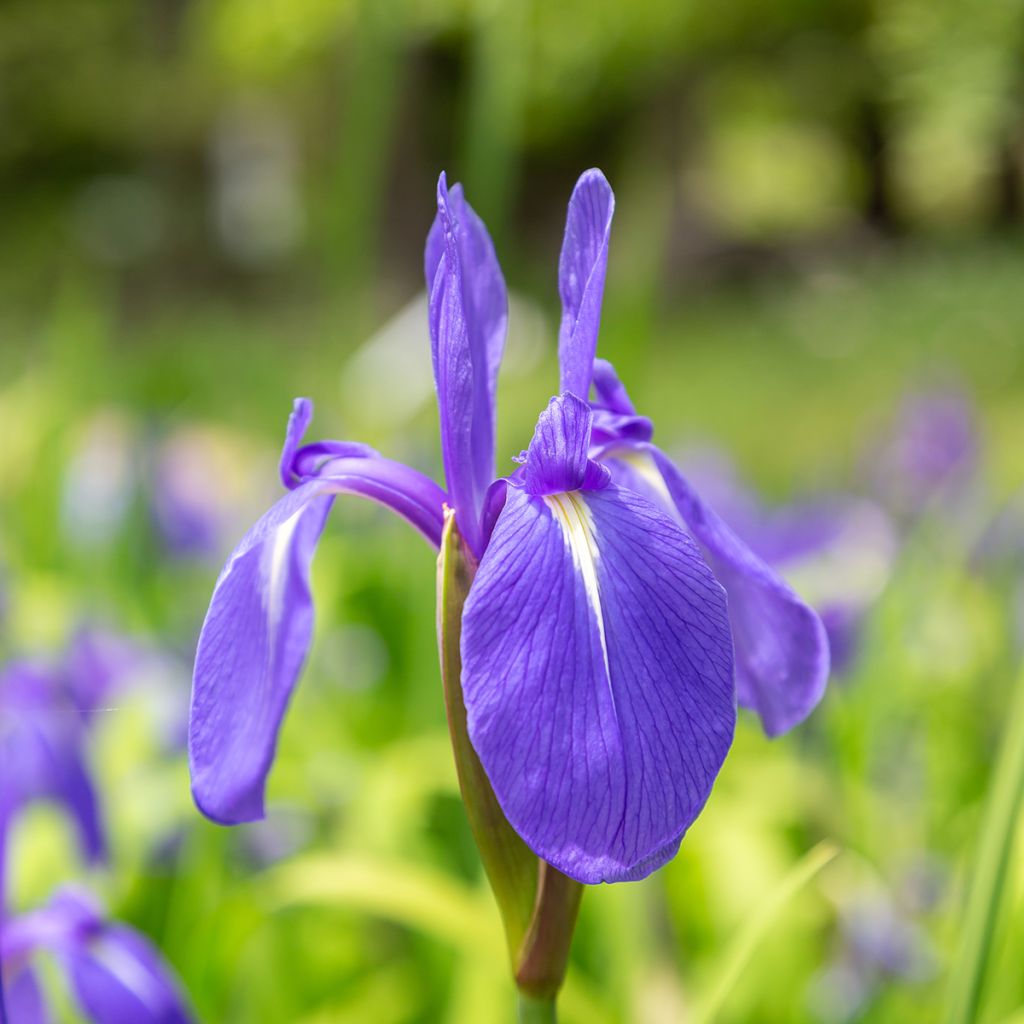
(209, 208)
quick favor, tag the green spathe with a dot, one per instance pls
(538, 904)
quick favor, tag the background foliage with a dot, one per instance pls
(209, 208)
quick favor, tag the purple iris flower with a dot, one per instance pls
(781, 649)
(42, 741)
(931, 452)
(597, 641)
(115, 974)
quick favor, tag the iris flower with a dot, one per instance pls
(42, 735)
(612, 618)
(116, 975)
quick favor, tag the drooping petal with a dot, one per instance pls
(468, 319)
(258, 628)
(597, 676)
(298, 422)
(782, 656)
(298, 463)
(119, 978)
(581, 272)
(116, 974)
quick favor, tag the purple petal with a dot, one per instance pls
(581, 272)
(597, 674)
(610, 391)
(23, 999)
(298, 464)
(468, 319)
(615, 417)
(782, 657)
(70, 915)
(843, 624)
(932, 453)
(97, 663)
(42, 735)
(119, 978)
(557, 457)
(258, 627)
(117, 975)
(298, 423)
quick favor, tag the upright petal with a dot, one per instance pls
(597, 676)
(557, 457)
(615, 417)
(581, 272)
(782, 656)
(258, 628)
(468, 319)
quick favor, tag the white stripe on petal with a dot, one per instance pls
(643, 464)
(277, 553)
(572, 514)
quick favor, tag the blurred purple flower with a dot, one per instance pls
(196, 491)
(115, 974)
(931, 452)
(96, 664)
(877, 941)
(47, 709)
(782, 656)
(42, 735)
(596, 649)
(838, 551)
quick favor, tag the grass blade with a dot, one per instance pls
(988, 879)
(753, 933)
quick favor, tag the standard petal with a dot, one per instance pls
(557, 457)
(258, 628)
(581, 271)
(782, 655)
(597, 675)
(615, 417)
(468, 319)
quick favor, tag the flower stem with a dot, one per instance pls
(536, 1011)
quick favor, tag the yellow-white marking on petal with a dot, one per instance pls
(277, 554)
(644, 466)
(577, 523)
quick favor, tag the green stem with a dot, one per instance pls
(536, 1011)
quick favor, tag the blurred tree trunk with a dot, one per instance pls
(871, 140)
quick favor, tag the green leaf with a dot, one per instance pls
(985, 896)
(415, 897)
(743, 947)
